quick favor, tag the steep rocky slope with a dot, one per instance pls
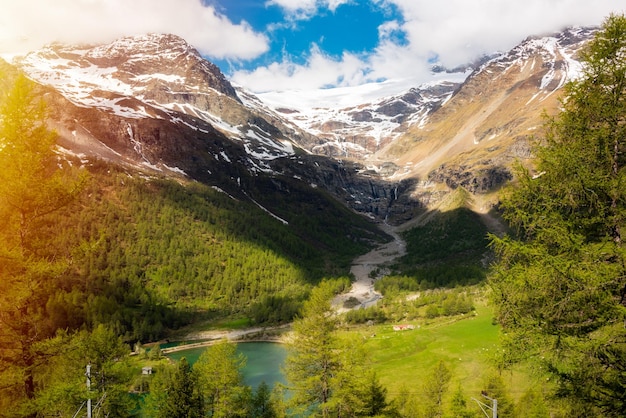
(496, 110)
(491, 121)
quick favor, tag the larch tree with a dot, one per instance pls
(458, 405)
(261, 404)
(560, 282)
(328, 375)
(220, 380)
(32, 186)
(434, 388)
(62, 389)
(183, 399)
(313, 361)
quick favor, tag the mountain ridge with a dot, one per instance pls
(152, 101)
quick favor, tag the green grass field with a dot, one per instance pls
(466, 344)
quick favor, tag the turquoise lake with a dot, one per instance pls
(264, 364)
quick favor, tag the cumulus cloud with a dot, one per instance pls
(305, 9)
(458, 31)
(29, 24)
(451, 32)
(417, 32)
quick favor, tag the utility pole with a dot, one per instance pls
(483, 406)
(88, 374)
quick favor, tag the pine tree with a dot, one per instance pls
(261, 404)
(560, 283)
(495, 388)
(107, 353)
(434, 388)
(375, 397)
(458, 406)
(313, 359)
(329, 376)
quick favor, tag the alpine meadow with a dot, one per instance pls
(455, 250)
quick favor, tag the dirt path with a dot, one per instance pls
(362, 268)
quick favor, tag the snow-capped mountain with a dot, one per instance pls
(153, 102)
(158, 77)
(465, 129)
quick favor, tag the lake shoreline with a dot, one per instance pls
(277, 334)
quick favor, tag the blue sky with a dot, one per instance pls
(351, 27)
(270, 45)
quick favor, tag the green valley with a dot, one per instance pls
(413, 291)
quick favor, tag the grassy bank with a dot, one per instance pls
(466, 344)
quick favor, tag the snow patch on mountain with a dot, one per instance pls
(356, 121)
(557, 54)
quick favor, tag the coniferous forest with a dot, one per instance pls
(97, 258)
(100, 246)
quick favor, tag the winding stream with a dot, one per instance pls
(362, 268)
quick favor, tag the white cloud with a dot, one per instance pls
(305, 9)
(319, 71)
(460, 30)
(451, 31)
(29, 24)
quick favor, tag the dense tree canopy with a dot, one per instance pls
(31, 187)
(137, 255)
(560, 284)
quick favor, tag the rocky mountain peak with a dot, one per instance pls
(161, 54)
(154, 67)
(557, 51)
(133, 47)
(157, 77)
